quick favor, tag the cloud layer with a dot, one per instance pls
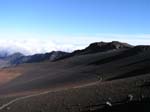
(32, 46)
(29, 46)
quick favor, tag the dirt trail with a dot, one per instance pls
(38, 94)
(21, 98)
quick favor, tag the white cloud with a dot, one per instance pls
(32, 44)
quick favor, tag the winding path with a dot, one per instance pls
(38, 94)
(21, 98)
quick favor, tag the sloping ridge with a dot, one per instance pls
(103, 47)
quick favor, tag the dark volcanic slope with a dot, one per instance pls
(90, 77)
(112, 65)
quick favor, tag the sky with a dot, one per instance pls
(36, 26)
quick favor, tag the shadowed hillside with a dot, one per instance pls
(80, 81)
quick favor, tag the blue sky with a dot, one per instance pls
(64, 20)
(76, 17)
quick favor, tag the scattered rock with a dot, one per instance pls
(130, 97)
(108, 103)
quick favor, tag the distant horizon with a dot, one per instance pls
(35, 46)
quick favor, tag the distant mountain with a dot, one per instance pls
(52, 56)
(103, 47)
(18, 58)
(3, 54)
(14, 57)
(56, 55)
(7, 60)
